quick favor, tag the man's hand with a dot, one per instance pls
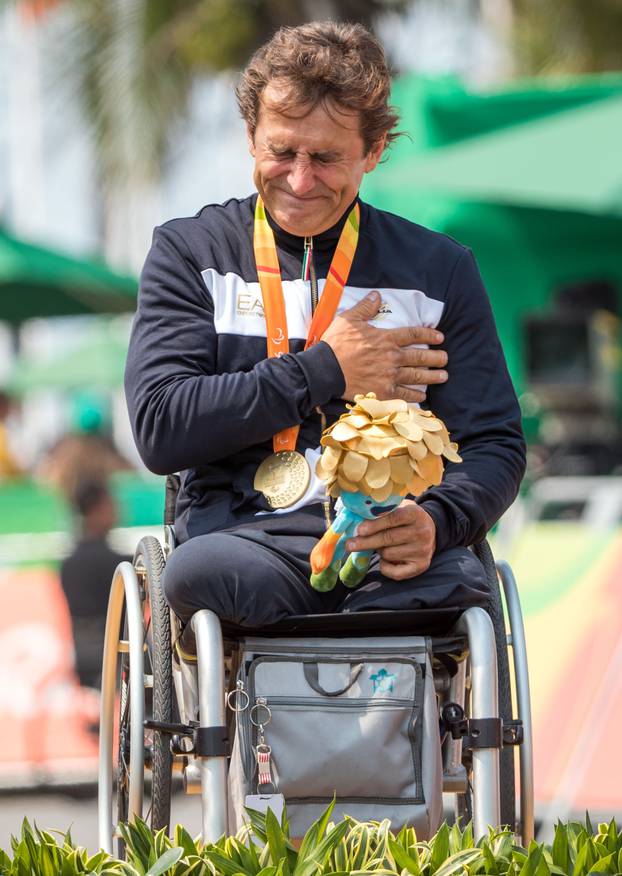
(383, 360)
(404, 538)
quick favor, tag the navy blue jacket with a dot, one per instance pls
(204, 399)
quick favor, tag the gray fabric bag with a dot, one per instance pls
(355, 718)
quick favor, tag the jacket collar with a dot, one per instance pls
(324, 242)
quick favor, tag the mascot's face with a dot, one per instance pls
(366, 507)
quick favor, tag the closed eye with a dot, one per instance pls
(325, 157)
(282, 154)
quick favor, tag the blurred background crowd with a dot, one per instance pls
(116, 115)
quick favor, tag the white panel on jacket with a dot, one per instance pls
(238, 308)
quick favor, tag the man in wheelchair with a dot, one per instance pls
(257, 321)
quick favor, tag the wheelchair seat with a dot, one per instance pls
(425, 621)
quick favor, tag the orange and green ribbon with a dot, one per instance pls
(269, 273)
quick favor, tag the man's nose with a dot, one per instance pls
(301, 178)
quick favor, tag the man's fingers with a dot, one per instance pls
(404, 539)
(418, 376)
(366, 308)
(400, 516)
(395, 535)
(421, 357)
(408, 395)
(416, 334)
(402, 571)
(399, 553)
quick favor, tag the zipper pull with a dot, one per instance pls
(306, 258)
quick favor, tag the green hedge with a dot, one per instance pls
(343, 849)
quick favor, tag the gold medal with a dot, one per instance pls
(283, 478)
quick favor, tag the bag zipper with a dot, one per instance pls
(346, 703)
(273, 658)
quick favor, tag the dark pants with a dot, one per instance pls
(252, 578)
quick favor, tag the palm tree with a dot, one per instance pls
(134, 62)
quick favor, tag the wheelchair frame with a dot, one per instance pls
(474, 687)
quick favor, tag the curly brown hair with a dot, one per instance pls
(320, 62)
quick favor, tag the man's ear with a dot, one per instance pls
(250, 139)
(375, 154)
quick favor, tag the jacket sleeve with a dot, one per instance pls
(183, 413)
(480, 409)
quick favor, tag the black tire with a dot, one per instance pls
(123, 752)
(161, 661)
(506, 755)
(149, 565)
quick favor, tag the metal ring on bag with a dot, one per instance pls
(253, 715)
(239, 706)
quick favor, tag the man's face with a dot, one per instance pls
(309, 163)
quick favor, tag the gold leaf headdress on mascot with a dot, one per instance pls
(384, 448)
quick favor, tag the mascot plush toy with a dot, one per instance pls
(374, 455)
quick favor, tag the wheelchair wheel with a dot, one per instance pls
(155, 688)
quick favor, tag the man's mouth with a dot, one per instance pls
(301, 197)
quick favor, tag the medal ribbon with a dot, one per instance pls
(269, 273)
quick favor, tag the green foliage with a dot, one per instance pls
(350, 848)
(133, 65)
(568, 37)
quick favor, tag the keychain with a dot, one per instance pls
(262, 750)
(263, 755)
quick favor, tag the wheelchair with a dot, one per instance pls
(162, 714)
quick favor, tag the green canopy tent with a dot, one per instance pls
(98, 362)
(39, 282)
(569, 161)
(439, 111)
(539, 201)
